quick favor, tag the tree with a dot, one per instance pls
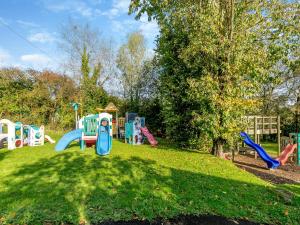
(92, 94)
(215, 56)
(77, 38)
(35, 97)
(131, 59)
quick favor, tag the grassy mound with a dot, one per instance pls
(38, 185)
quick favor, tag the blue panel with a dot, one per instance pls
(103, 145)
(67, 139)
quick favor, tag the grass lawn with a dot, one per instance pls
(271, 148)
(38, 185)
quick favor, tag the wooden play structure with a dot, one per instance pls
(260, 125)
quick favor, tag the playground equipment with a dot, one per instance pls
(113, 110)
(296, 146)
(49, 139)
(17, 135)
(7, 133)
(75, 106)
(19, 139)
(121, 123)
(36, 135)
(260, 125)
(135, 130)
(271, 163)
(93, 130)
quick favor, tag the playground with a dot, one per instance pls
(147, 112)
(39, 185)
(86, 177)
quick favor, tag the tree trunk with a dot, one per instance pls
(218, 148)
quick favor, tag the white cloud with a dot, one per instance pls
(118, 8)
(27, 24)
(42, 37)
(5, 57)
(74, 6)
(122, 5)
(36, 60)
(149, 29)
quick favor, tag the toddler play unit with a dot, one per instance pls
(259, 125)
(34, 136)
(95, 129)
(135, 130)
(17, 135)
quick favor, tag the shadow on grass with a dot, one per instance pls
(72, 188)
(4, 153)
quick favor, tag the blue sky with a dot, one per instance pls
(39, 22)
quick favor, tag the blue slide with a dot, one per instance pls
(67, 139)
(272, 163)
(103, 145)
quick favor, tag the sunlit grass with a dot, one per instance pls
(271, 148)
(38, 185)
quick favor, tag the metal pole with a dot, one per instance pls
(76, 119)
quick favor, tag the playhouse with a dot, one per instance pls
(16, 135)
(8, 134)
(135, 130)
(94, 129)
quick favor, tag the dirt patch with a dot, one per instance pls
(185, 220)
(287, 174)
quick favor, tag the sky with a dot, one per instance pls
(29, 29)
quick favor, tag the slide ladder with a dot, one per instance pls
(271, 163)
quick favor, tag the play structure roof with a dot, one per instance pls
(109, 108)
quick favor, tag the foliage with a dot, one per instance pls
(78, 187)
(79, 37)
(36, 97)
(92, 95)
(213, 57)
(131, 60)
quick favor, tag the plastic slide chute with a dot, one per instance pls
(48, 138)
(103, 145)
(271, 163)
(149, 136)
(289, 149)
(67, 139)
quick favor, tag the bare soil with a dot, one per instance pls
(287, 174)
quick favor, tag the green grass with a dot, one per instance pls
(38, 185)
(270, 147)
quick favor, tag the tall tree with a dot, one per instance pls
(77, 38)
(130, 61)
(215, 56)
(92, 94)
